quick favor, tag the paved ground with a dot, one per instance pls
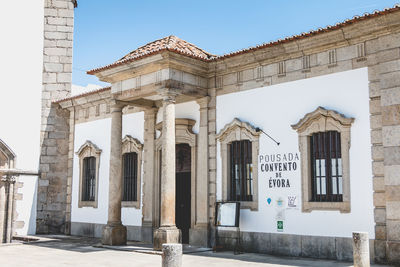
(62, 251)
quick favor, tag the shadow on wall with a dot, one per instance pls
(52, 187)
(32, 217)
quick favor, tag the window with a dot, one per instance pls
(241, 173)
(89, 179)
(130, 176)
(326, 167)
(324, 143)
(131, 172)
(239, 149)
(89, 160)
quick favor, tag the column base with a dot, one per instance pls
(165, 235)
(114, 235)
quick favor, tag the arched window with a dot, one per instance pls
(89, 161)
(324, 143)
(131, 172)
(239, 149)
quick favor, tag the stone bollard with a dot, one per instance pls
(361, 249)
(171, 255)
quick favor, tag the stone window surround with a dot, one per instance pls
(236, 131)
(7, 156)
(88, 149)
(130, 144)
(322, 120)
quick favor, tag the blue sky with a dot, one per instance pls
(107, 30)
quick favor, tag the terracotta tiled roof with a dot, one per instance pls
(303, 35)
(84, 94)
(174, 44)
(170, 43)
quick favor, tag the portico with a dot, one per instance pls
(158, 82)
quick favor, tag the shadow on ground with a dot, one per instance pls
(273, 260)
(69, 243)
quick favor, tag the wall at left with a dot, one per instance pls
(20, 97)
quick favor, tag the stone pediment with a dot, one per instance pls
(237, 126)
(88, 146)
(322, 114)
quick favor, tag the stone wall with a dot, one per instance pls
(52, 208)
(385, 125)
(371, 43)
(322, 247)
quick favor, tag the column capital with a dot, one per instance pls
(168, 94)
(116, 105)
(203, 102)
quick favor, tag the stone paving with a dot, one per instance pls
(73, 251)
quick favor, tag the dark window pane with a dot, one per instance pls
(129, 176)
(89, 179)
(241, 172)
(326, 167)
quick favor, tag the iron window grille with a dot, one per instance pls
(241, 171)
(89, 176)
(130, 164)
(326, 167)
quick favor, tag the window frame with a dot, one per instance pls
(88, 149)
(243, 160)
(86, 175)
(324, 120)
(320, 150)
(130, 145)
(238, 131)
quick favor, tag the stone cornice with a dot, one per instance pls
(258, 67)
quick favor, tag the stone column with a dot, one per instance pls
(10, 208)
(172, 255)
(3, 216)
(167, 233)
(199, 235)
(361, 249)
(148, 173)
(212, 164)
(114, 233)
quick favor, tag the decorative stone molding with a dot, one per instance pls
(88, 149)
(129, 145)
(236, 131)
(322, 120)
(7, 156)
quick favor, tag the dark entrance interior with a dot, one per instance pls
(183, 190)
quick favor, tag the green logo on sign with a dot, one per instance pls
(280, 226)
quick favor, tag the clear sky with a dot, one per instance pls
(106, 30)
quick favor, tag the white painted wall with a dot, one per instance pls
(98, 132)
(275, 109)
(20, 95)
(133, 124)
(188, 110)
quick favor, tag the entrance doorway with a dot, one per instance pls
(183, 190)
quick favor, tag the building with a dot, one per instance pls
(179, 129)
(20, 110)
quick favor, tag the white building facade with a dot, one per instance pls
(301, 132)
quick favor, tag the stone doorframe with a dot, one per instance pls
(183, 135)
